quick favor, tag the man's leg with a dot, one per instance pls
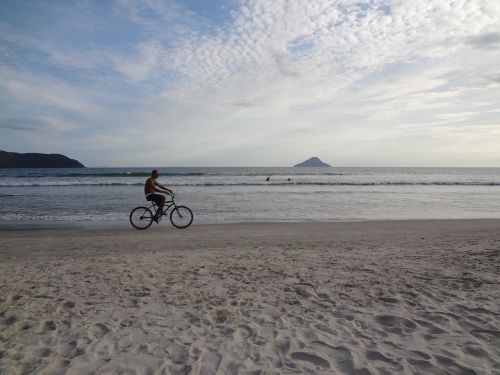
(160, 201)
(157, 201)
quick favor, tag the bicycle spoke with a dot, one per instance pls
(141, 218)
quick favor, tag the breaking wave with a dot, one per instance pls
(229, 183)
(164, 174)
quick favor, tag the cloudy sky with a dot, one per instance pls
(252, 83)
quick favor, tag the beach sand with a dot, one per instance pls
(416, 297)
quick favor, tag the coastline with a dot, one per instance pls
(124, 225)
(343, 297)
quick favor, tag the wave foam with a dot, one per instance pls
(307, 183)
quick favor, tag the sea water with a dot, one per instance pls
(222, 195)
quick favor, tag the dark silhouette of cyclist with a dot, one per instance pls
(151, 187)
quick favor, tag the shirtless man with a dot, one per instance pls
(151, 187)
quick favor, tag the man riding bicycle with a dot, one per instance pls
(151, 187)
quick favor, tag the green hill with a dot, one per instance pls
(35, 160)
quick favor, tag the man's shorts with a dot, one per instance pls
(157, 198)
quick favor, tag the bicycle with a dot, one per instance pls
(180, 216)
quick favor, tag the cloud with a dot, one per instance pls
(456, 116)
(286, 74)
(37, 124)
(160, 18)
(140, 65)
(485, 41)
(492, 79)
(244, 104)
(283, 63)
(23, 124)
(53, 94)
(320, 43)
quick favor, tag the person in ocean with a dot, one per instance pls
(151, 187)
(268, 179)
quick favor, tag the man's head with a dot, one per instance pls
(155, 173)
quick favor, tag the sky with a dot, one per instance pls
(252, 83)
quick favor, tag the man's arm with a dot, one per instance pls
(162, 189)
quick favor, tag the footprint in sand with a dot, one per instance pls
(23, 326)
(420, 364)
(421, 355)
(486, 332)
(453, 366)
(16, 297)
(10, 320)
(388, 300)
(395, 324)
(474, 350)
(47, 326)
(67, 349)
(281, 345)
(208, 363)
(214, 318)
(315, 360)
(437, 318)
(97, 331)
(42, 352)
(432, 329)
(177, 354)
(374, 355)
(65, 307)
(342, 356)
(243, 332)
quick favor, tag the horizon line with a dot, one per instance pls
(282, 166)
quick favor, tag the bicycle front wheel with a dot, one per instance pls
(181, 217)
(141, 218)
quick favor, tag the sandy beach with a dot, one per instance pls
(414, 297)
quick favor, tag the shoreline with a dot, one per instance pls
(372, 297)
(29, 225)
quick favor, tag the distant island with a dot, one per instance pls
(35, 160)
(312, 162)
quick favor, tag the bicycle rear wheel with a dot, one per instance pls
(141, 218)
(181, 217)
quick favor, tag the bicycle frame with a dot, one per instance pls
(166, 206)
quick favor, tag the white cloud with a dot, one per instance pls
(141, 65)
(331, 75)
(334, 45)
(51, 93)
(456, 116)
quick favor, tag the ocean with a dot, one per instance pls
(105, 196)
